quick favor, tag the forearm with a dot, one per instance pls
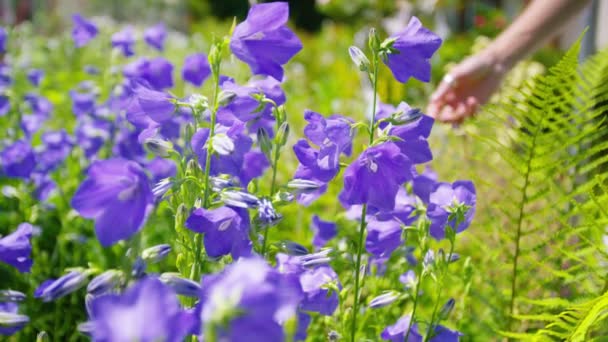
(542, 20)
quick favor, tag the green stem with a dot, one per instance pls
(364, 209)
(272, 188)
(409, 327)
(439, 288)
(199, 237)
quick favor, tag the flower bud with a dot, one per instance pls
(222, 144)
(402, 118)
(53, 289)
(220, 183)
(282, 134)
(293, 248)
(267, 214)
(139, 268)
(373, 40)
(239, 199)
(304, 186)
(181, 286)
(105, 282)
(159, 147)
(446, 309)
(283, 197)
(11, 296)
(408, 279)
(12, 320)
(319, 258)
(156, 253)
(264, 142)
(43, 337)
(359, 58)
(226, 97)
(162, 187)
(384, 300)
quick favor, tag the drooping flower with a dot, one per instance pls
(10, 319)
(155, 36)
(117, 195)
(324, 231)
(225, 231)
(125, 41)
(412, 138)
(196, 69)
(53, 289)
(248, 301)
(16, 248)
(445, 200)
(84, 30)
(148, 311)
(18, 160)
(263, 40)
(375, 177)
(415, 45)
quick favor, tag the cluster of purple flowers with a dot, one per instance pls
(143, 145)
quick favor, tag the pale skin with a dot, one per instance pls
(476, 78)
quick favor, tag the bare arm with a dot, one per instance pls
(475, 79)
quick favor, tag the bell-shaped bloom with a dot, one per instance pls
(156, 105)
(159, 73)
(230, 159)
(245, 107)
(125, 41)
(412, 139)
(225, 231)
(18, 160)
(117, 195)
(375, 177)
(196, 69)
(264, 41)
(248, 301)
(324, 231)
(91, 135)
(3, 39)
(155, 36)
(10, 319)
(16, 248)
(148, 311)
(445, 200)
(255, 164)
(38, 104)
(53, 289)
(383, 237)
(83, 31)
(415, 46)
(397, 331)
(83, 103)
(318, 298)
(35, 76)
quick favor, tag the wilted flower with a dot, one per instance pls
(226, 231)
(263, 40)
(117, 195)
(16, 248)
(83, 31)
(148, 311)
(196, 69)
(155, 36)
(53, 289)
(414, 47)
(125, 41)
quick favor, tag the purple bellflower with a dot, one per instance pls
(53, 289)
(5, 105)
(415, 46)
(155, 36)
(413, 137)
(444, 200)
(16, 248)
(248, 301)
(18, 160)
(263, 40)
(375, 177)
(35, 76)
(3, 39)
(84, 30)
(125, 41)
(383, 237)
(225, 231)
(324, 231)
(196, 69)
(117, 195)
(157, 105)
(148, 311)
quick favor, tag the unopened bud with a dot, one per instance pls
(56, 288)
(373, 40)
(162, 187)
(239, 199)
(11, 296)
(359, 58)
(12, 320)
(304, 186)
(226, 97)
(43, 337)
(384, 300)
(105, 282)
(402, 118)
(446, 309)
(293, 248)
(264, 142)
(156, 253)
(159, 147)
(181, 286)
(282, 134)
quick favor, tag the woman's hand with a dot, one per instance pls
(467, 86)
